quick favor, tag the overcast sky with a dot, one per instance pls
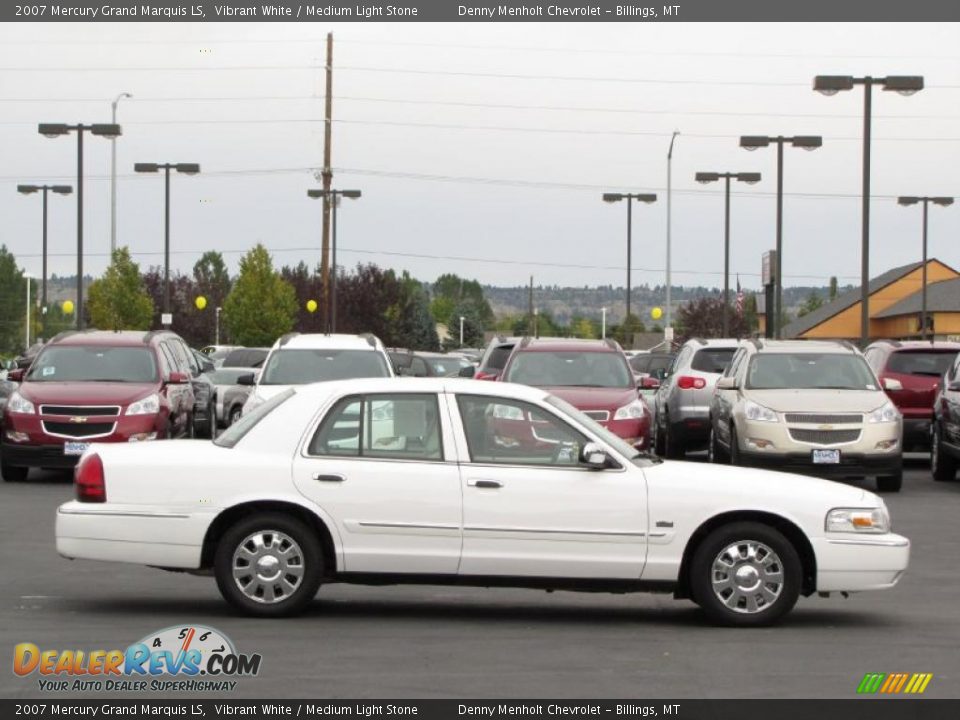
(483, 149)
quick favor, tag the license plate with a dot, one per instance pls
(826, 457)
(75, 448)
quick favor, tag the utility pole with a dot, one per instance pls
(530, 308)
(327, 177)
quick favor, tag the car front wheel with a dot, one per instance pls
(745, 574)
(235, 413)
(13, 473)
(890, 483)
(269, 565)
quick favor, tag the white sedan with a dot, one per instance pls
(450, 481)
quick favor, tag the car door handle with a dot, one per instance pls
(484, 483)
(328, 478)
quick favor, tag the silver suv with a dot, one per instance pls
(806, 406)
(682, 415)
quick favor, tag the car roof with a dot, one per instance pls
(898, 345)
(806, 346)
(567, 345)
(721, 343)
(127, 338)
(427, 385)
(318, 341)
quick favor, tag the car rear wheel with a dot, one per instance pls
(942, 464)
(13, 473)
(745, 574)
(890, 483)
(234, 415)
(269, 565)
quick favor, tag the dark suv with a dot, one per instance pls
(910, 373)
(96, 386)
(945, 438)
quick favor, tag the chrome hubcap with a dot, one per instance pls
(747, 577)
(268, 566)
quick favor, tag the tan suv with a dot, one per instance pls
(806, 406)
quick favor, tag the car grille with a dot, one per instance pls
(824, 437)
(598, 415)
(94, 410)
(823, 419)
(78, 430)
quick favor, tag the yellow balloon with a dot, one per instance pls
(311, 305)
(200, 302)
(67, 306)
(656, 313)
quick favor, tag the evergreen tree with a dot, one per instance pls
(261, 306)
(118, 300)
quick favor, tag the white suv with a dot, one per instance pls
(297, 359)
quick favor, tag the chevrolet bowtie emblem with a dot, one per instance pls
(78, 419)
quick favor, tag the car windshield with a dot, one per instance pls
(564, 369)
(228, 376)
(618, 444)
(302, 366)
(94, 363)
(809, 371)
(233, 434)
(448, 366)
(712, 360)
(650, 363)
(926, 362)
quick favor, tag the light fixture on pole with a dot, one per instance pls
(629, 197)
(59, 190)
(461, 330)
(334, 197)
(603, 323)
(186, 169)
(54, 130)
(913, 200)
(752, 142)
(831, 85)
(750, 178)
(113, 174)
(669, 251)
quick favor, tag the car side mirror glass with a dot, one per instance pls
(727, 383)
(247, 379)
(16, 375)
(892, 384)
(593, 456)
(466, 372)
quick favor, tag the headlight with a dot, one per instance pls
(887, 413)
(633, 411)
(858, 520)
(150, 405)
(752, 411)
(19, 404)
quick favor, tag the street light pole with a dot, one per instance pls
(334, 197)
(186, 169)
(925, 201)
(27, 338)
(831, 85)
(113, 174)
(752, 142)
(216, 337)
(461, 331)
(669, 196)
(53, 130)
(59, 190)
(629, 197)
(603, 323)
(709, 177)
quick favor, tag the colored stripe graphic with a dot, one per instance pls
(894, 683)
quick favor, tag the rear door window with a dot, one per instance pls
(924, 362)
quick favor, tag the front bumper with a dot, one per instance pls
(852, 564)
(43, 456)
(850, 465)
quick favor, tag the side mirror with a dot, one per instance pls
(178, 378)
(727, 383)
(16, 375)
(892, 384)
(593, 456)
(247, 379)
(466, 372)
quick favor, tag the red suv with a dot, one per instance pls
(910, 373)
(591, 375)
(95, 386)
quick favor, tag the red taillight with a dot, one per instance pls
(485, 376)
(88, 480)
(689, 382)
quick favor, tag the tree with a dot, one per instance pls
(581, 327)
(833, 288)
(704, 318)
(411, 323)
(363, 298)
(211, 280)
(307, 286)
(812, 302)
(261, 306)
(12, 303)
(118, 300)
(451, 290)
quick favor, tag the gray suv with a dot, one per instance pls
(682, 419)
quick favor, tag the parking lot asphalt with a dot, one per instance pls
(423, 642)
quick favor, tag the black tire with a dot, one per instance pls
(281, 529)
(234, 415)
(890, 483)
(715, 452)
(672, 445)
(13, 473)
(190, 431)
(658, 446)
(773, 553)
(943, 466)
(212, 422)
(734, 447)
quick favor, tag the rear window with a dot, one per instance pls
(712, 360)
(246, 357)
(303, 366)
(933, 363)
(570, 369)
(498, 357)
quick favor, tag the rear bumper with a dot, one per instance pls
(850, 464)
(860, 563)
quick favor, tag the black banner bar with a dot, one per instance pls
(482, 11)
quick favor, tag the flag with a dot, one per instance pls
(739, 298)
